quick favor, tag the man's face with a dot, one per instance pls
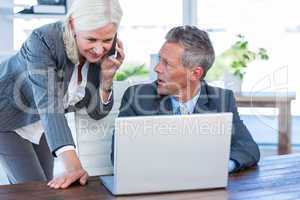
(93, 45)
(172, 76)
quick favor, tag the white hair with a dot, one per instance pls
(89, 15)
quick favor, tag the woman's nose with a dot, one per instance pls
(98, 49)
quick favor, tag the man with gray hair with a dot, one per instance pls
(184, 59)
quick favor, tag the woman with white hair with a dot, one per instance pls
(60, 68)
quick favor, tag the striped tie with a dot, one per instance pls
(177, 111)
(182, 110)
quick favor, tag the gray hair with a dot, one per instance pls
(92, 14)
(198, 49)
(89, 15)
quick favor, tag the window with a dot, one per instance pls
(24, 24)
(273, 25)
(144, 25)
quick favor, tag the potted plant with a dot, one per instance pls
(233, 62)
(126, 76)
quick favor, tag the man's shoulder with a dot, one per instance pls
(142, 95)
(143, 89)
(213, 90)
(140, 99)
(219, 97)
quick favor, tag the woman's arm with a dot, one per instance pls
(74, 172)
(102, 97)
(48, 97)
(100, 104)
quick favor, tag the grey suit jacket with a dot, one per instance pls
(34, 81)
(141, 100)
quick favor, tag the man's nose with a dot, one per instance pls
(157, 68)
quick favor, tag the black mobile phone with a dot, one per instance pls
(113, 52)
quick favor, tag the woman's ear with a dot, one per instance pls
(71, 24)
(197, 74)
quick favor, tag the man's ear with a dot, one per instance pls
(197, 74)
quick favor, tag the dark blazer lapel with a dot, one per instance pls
(204, 104)
(92, 85)
(165, 106)
(93, 75)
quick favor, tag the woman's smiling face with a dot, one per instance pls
(93, 45)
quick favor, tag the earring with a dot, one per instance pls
(74, 35)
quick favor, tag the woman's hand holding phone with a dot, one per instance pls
(109, 66)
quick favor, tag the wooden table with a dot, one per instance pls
(279, 100)
(276, 178)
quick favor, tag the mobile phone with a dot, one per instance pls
(112, 53)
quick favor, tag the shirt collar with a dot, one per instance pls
(190, 103)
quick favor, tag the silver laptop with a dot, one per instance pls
(170, 153)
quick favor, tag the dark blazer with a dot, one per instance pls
(141, 100)
(33, 83)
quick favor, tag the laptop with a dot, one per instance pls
(154, 154)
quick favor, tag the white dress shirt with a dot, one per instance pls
(75, 93)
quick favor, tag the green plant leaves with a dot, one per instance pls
(131, 70)
(262, 53)
(236, 59)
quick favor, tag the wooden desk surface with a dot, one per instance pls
(276, 178)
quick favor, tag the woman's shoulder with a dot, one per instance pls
(50, 36)
(52, 29)
(50, 33)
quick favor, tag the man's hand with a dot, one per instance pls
(73, 172)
